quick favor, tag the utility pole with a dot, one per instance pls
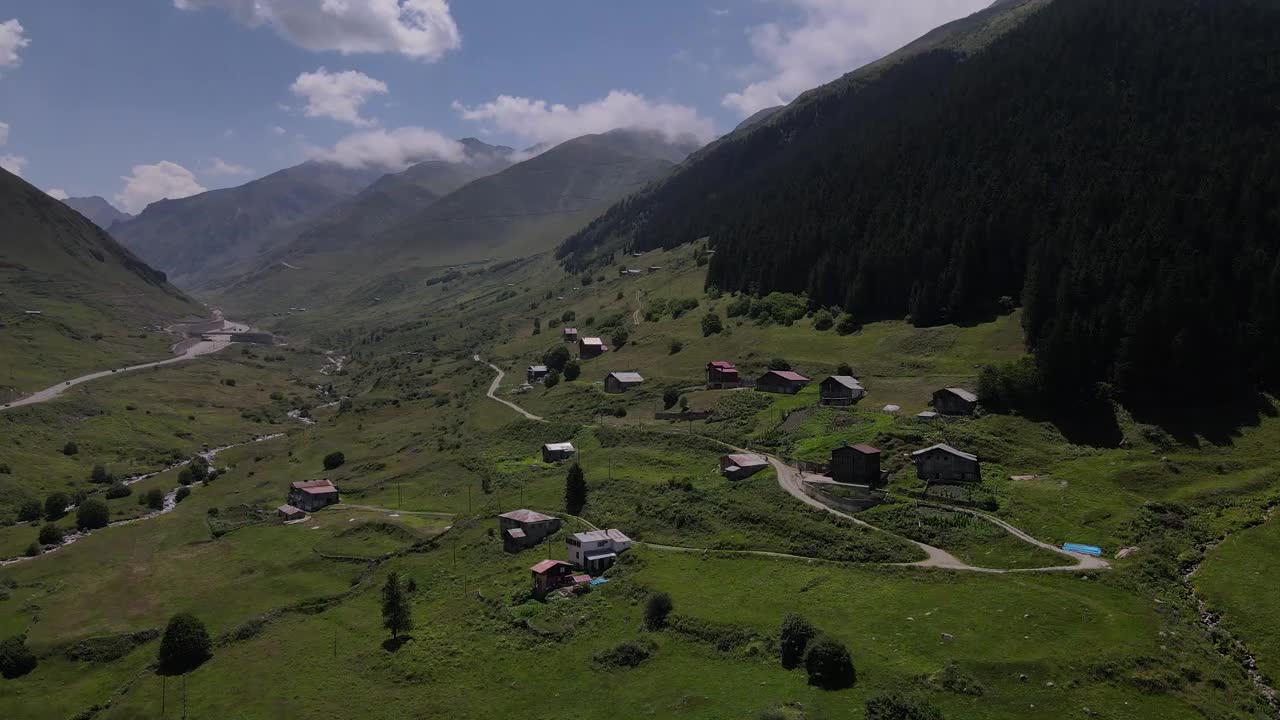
(164, 682)
(399, 497)
(335, 642)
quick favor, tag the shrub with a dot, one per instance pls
(185, 645)
(199, 468)
(119, 490)
(537, 326)
(829, 666)
(556, 358)
(100, 475)
(5, 469)
(796, 635)
(779, 363)
(92, 514)
(16, 659)
(623, 655)
(670, 397)
(822, 320)
(32, 550)
(847, 325)
(569, 316)
(55, 506)
(572, 370)
(676, 346)
(711, 324)
(900, 707)
(952, 679)
(229, 382)
(70, 448)
(845, 369)
(656, 610)
(29, 510)
(51, 534)
(185, 476)
(334, 460)
(619, 338)
(153, 498)
(551, 379)
(182, 494)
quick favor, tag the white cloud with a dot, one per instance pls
(392, 150)
(337, 95)
(278, 130)
(542, 122)
(4, 133)
(834, 37)
(149, 183)
(222, 167)
(421, 29)
(720, 12)
(12, 39)
(13, 163)
(57, 193)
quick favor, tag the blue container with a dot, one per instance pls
(1086, 549)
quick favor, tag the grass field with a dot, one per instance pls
(1237, 581)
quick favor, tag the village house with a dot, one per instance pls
(595, 551)
(312, 495)
(591, 347)
(944, 463)
(551, 575)
(855, 465)
(535, 373)
(555, 452)
(569, 334)
(955, 401)
(742, 465)
(289, 513)
(722, 375)
(783, 382)
(840, 390)
(620, 382)
(525, 528)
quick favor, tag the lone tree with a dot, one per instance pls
(556, 358)
(575, 490)
(100, 475)
(396, 614)
(572, 370)
(711, 324)
(55, 506)
(185, 645)
(829, 665)
(656, 610)
(199, 468)
(70, 448)
(334, 460)
(153, 499)
(92, 514)
(551, 379)
(900, 707)
(29, 510)
(51, 534)
(16, 659)
(620, 338)
(670, 397)
(796, 635)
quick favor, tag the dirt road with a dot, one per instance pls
(493, 392)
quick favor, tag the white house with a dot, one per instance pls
(596, 550)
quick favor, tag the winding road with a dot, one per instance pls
(791, 479)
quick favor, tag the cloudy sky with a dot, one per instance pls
(172, 97)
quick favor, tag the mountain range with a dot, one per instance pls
(98, 210)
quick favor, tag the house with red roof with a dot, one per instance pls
(855, 465)
(525, 528)
(311, 495)
(722, 375)
(550, 575)
(784, 382)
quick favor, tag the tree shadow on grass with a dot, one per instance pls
(1218, 424)
(394, 644)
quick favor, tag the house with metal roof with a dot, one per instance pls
(722, 375)
(620, 382)
(535, 373)
(783, 382)
(591, 347)
(555, 452)
(840, 390)
(569, 334)
(955, 401)
(525, 528)
(739, 466)
(311, 495)
(595, 551)
(855, 465)
(943, 463)
(550, 575)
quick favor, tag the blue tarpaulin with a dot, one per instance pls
(1086, 549)
(599, 581)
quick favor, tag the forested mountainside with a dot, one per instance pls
(1111, 164)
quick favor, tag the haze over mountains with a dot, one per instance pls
(97, 209)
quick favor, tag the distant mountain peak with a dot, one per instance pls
(97, 210)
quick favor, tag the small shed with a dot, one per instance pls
(591, 347)
(620, 382)
(955, 401)
(569, 334)
(840, 390)
(739, 466)
(944, 463)
(783, 382)
(722, 375)
(535, 373)
(855, 464)
(555, 452)
(550, 575)
(289, 513)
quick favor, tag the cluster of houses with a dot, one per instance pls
(589, 553)
(305, 497)
(860, 465)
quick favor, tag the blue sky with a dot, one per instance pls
(170, 97)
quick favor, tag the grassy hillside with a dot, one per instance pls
(99, 305)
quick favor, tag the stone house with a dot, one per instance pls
(525, 528)
(311, 495)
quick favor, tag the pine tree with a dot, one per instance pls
(575, 490)
(397, 616)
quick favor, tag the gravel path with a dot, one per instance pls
(493, 392)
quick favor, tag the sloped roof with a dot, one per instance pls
(591, 341)
(570, 331)
(723, 365)
(947, 449)
(748, 460)
(963, 394)
(525, 515)
(315, 487)
(516, 533)
(598, 535)
(560, 447)
(788, 375)
(627, 377)
(546, 565)
(538, 368)
(288, 510)
(847, 381)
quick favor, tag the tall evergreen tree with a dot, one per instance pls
(575, 490)
(397, 616)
